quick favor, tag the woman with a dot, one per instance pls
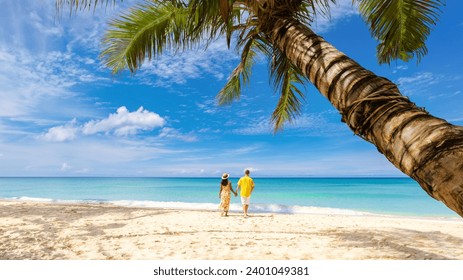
(224, 194)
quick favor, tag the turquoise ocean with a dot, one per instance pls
(351, 196)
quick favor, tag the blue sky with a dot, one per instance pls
(63, 114)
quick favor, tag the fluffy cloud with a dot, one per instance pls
(343, 9)
(122, 123)
(65, 167)
(61, 133)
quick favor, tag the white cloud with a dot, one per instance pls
(61, 133)
(30, 82)
(124, 123)
(65, 167)
(423, 83)
(402, 67)
(209, 106)
(399, 68)
(343, 9)
(420, 82)
(178, 68)
(306, 124)
(171, 133)
(38, 73)
(43, 28)
(257, 127)
(420, 78)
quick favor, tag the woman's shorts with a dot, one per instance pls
(245, 200)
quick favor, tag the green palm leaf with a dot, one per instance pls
(249, 43)
(153, 27)
(145, 31)
(401, 26)
(241, 74)
(285, 78)
(75, 5)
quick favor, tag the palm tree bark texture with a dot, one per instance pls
(426, 148)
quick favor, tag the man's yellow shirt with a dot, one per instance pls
(246, 184)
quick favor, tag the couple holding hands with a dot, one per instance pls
(245, 183)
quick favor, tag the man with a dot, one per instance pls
(246, 184)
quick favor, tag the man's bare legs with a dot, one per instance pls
(245, 210)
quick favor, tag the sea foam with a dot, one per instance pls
(256, 208)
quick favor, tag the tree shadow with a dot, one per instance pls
(410, 244)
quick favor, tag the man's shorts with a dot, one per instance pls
(245, 200)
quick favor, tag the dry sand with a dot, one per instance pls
(35, 230)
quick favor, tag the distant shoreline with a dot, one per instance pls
(355, 196)
(211, 177)
(234, 208)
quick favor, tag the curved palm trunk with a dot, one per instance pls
(426, 148)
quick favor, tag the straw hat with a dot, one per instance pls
(225, 176)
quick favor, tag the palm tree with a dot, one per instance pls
(426, 148)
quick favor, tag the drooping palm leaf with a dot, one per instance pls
(285, 78)
(153, 27)
(226, 8)
(75, 5)
(218, 13)
(145, 31)
(240, 75)
(249, 43)
(400, 26)
(310, 9)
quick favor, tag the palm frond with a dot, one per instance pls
(145, 31)
(311, 8)
(149, 29)
(249, 43)
(75, 5)
(241, 74)
(400, 26)
(285, 78)
(205, 13)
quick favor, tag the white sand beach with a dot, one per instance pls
(38, 230)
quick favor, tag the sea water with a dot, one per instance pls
(350, 196)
